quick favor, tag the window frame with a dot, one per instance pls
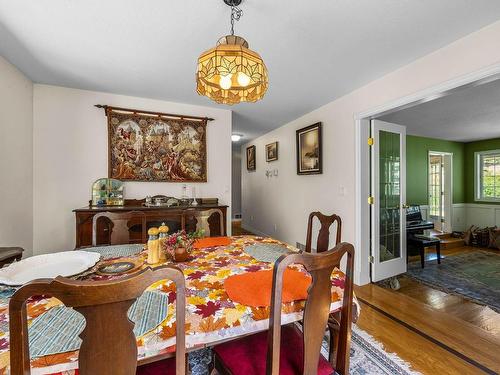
(478, 176)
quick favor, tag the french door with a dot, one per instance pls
(388, 199)
(440, 193)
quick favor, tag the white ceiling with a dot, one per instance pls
(467, 115)
(315, 50)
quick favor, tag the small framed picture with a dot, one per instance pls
(272, 151)
(309, 150)
(251, 158)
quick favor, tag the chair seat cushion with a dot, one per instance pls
(163, 367)
(248, 355)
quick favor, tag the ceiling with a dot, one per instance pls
(467, 115)
(315, 51)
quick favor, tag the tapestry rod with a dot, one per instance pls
(138, 111)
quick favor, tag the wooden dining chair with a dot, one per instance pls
(286, 350)
(322, 244)
(202, 220)
(323, 240)
(108, 342)
(120, 226)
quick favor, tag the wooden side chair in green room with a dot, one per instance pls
(108, 342)
(287, 350)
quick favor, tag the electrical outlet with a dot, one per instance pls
(275, 227)
(251, 217)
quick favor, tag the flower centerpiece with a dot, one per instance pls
(179, 245)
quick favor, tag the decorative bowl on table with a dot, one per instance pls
(178, 246)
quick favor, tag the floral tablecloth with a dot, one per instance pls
(210, 317)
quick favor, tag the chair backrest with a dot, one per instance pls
(324, 232)
(120, 231)
(108, 342)
(317, 307)
(202, 220)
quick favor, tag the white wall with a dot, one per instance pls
(16, 158)
(71, 151)
(482, 215)
(287, 200)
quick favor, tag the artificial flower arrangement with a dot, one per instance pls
(179, 245)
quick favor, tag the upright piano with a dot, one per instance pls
(414, 222)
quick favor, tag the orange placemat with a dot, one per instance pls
(211, 242)
(254, 288)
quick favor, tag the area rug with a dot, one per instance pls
(367, 358)
(475, 276)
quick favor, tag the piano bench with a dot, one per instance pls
(421, 244)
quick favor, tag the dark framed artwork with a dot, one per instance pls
(143, 147)
(272, 151)
(309, 150)
(251, 165)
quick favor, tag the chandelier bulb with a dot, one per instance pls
(225, 82)
(243, 79)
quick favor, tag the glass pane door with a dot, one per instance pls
(390, 195)
(388, 155)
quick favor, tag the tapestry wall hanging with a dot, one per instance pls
(153, 146)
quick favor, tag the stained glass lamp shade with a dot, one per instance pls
(231, 73)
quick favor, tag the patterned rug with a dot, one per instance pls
(475, 276)
(367, 358)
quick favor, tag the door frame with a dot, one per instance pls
(362, 133)
(448, 185)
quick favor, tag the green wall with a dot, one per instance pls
(417, 154)
(470, 149)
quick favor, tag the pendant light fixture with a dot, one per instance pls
(230, 72)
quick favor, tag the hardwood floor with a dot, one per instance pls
(433, 342)
(435, 332)
(237, 229)
(460, 307)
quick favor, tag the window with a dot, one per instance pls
(488, 175)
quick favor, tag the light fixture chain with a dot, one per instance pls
(236, 14)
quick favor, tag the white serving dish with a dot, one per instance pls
(66, 263)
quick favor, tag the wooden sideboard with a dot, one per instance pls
(177, 218)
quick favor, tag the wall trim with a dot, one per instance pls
(480, 205)
(440, 90)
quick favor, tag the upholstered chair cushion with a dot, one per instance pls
(248, 355)
(164, 367)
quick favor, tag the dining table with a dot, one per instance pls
(211, 316)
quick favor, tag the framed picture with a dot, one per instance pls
(309, 150)
(272, 151)
(251, 158)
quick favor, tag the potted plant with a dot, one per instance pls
(179, 245)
